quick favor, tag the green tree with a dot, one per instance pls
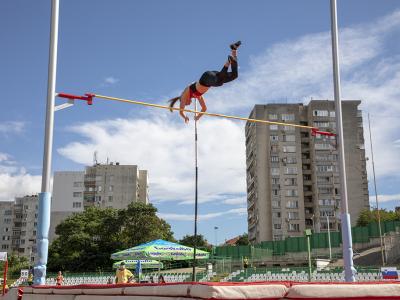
(243, 240)
(86, 240)
(371, 216)
(201, 242)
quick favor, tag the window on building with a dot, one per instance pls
(34, 224)
(275, 192)
(274, 148)
(290, 160)
(293, 215)
(290, 170)
(97, 198)
(274, 138)
(289, 128)
(277, 226)
(22, 242)
(294, 227)
(110, 198)
(289, 149)
(278, 237)
(8, 212)
(6, 229)
(323, 179)
(276, 214)
(273, 127)
(320, 113)
(4, 247)
(332, 114)
(77, 195)
(290, 181)
(78, 184)
(275, 171)
(289, 138)
(326, 202)
(110, 188)
(276, 204)
(292, 204)
(323, 146)
(327, 213)
(321, 124)
(274, 158)
(76, 204)
(99, 188)
(275, 180)
(7, 221)
(287, 117)
(273, 117)
(291, 193)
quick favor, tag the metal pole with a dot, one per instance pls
(329, 238)
(42, 241)
(195, 195)
(345, 216)
(309, 257)
(376, 194)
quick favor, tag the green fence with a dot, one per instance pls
(360, 234)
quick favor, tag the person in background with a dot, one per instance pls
(151, 279)
(30, 278)
(110, 281)
(59, 278)
(123, 275)
(161, 279)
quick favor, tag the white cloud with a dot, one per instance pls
(9, 127)
(110, 81)
(15, 181)
(166, 149)
(202, 217)
(385, 198)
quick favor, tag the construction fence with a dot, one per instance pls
(360, 234)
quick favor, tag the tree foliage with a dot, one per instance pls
(201, 242)
(86, 240)
(371, 216)
(243, 240)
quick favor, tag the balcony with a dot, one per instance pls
(308, 204)
(307, 182)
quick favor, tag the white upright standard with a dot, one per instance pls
(345, 216)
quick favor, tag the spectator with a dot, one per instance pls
(123, 275)
(59, 278)
(30, 278)
(151, 279)
(161, 279)
(110, 280)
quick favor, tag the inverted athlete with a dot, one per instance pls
(208, 79)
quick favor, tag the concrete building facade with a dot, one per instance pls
(292, 177)
(115, 185)
(18, 226)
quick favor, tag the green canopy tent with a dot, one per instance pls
(160, 250)
(146, 264)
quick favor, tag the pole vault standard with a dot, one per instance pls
(43, 226)
(345, 216)
(195, 194)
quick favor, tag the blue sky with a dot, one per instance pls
(149, 50)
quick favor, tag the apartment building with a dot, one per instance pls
(292, 177)
(115, 185)
(18, 226)
(101, 185)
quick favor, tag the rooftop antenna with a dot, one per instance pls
(95, 158)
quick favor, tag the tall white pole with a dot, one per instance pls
(196, 193)
(345, 216)
(42, 241)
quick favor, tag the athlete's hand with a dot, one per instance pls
(186, 119)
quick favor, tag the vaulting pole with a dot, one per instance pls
(345, 216)
(195, 194)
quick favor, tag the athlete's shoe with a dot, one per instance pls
(236, 45)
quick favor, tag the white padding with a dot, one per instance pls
(61, 291)
(256, 291)
(89, 297)
(11, 295)
(346, 291)
(47, 297)
(105, 291)
(42, 291)
(159, 290)
(28, 290)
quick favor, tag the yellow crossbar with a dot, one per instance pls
(204, 113)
